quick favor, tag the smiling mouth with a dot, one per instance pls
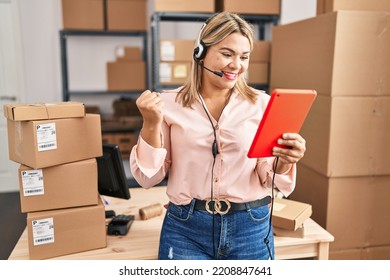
(230, 76)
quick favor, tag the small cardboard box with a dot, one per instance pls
(298, 233)
(261, 51)
(83, 14)
(327, 6)
(289, 214)
(44, 111)
(176, 50)
(174, 73)
(262, 7)
(66, 231)
(127, 54)
(45, 143)
(126, 15)
(62, 186)
(126, 76)
(257, 73)
(200, 6)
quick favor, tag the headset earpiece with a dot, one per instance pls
(200, 47)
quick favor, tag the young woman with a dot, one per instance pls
(200, 133)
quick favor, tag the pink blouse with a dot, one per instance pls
(186, 154)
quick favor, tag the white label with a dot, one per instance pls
(167, 51)
(32, 182)
(43, 231)
(46, 137)
(165, 72)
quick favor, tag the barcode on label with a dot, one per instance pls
(34, 191)
(44, 146)
(46, 239)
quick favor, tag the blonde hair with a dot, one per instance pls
(217, 28)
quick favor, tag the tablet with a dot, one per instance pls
(285, 112)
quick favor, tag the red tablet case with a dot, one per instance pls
(285, 112)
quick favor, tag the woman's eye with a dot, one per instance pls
(245, 57)
(226, 54)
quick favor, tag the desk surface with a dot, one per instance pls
(142, 241)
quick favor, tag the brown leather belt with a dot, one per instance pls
(223, 206)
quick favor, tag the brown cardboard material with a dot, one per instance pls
(261, 51)
(83, 14)
(289, 214)
(264, 7)
(62, 186)
(257, 73)
(174, 73)
(125, 76)
(66, 231)
(343, 53)
(298, 233)
(45, 143)
(348, 136)
(128, 54)
(126, 15)
(205, 6)
(355, 210)
(327, 6)
(369, 253)
(44, 111)
(176, 50)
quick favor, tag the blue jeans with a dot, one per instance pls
(187, 234)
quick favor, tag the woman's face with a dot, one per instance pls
(231, 57)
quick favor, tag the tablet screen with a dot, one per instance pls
(285, 112)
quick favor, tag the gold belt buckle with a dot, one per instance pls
(218, 206)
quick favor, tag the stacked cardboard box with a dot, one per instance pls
(264, 7)
(57, 145)
(175, 60)
(128, 72)
(345, 173)
(259, 63)
(199, 6)
(289, 216)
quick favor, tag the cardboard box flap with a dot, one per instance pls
(44, 111)
(290, 214)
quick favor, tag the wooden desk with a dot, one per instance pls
(141, 243)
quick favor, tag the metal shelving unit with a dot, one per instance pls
(64, 34)
(260, 20)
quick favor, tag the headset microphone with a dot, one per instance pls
(220, 74)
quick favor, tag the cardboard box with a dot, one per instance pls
(62, 186)
(176, 50)
(355, 210)
(128, 54)
(263, 7)
(66, 231)
(327, 6)
(298, 233)
(289, 214)
(200, 6)
(343, 53)
(261, 51)
(43, 111)
(369, 253)
(348, 136)
(40, 144)
(126, 76)
(83, 14)
(124, 140)
(257, 73)
(174, 73)
(126, 15)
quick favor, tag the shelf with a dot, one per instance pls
(104, 92)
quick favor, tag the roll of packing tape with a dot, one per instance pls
(150, 211)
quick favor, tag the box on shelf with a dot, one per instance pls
(257, 73)
(342, 53)
(337, 127)
(44, 111)
(126, 76)
(200, 6)
(327, 6)
(176, 50)
(289, 214)
(126, 15)
(66, 231)
(261, 51)
(174, 73)
(124, 140)
(62, 186)
(263, 7)
(125, 107)
(45, 143)
(352, 209)
(128, 53)
(83, 14)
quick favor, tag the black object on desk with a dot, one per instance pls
(120, 225)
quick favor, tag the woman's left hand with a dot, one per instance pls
(296, 147)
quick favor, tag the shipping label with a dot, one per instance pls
(43, 231)
(32, 182)
(46, 137)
